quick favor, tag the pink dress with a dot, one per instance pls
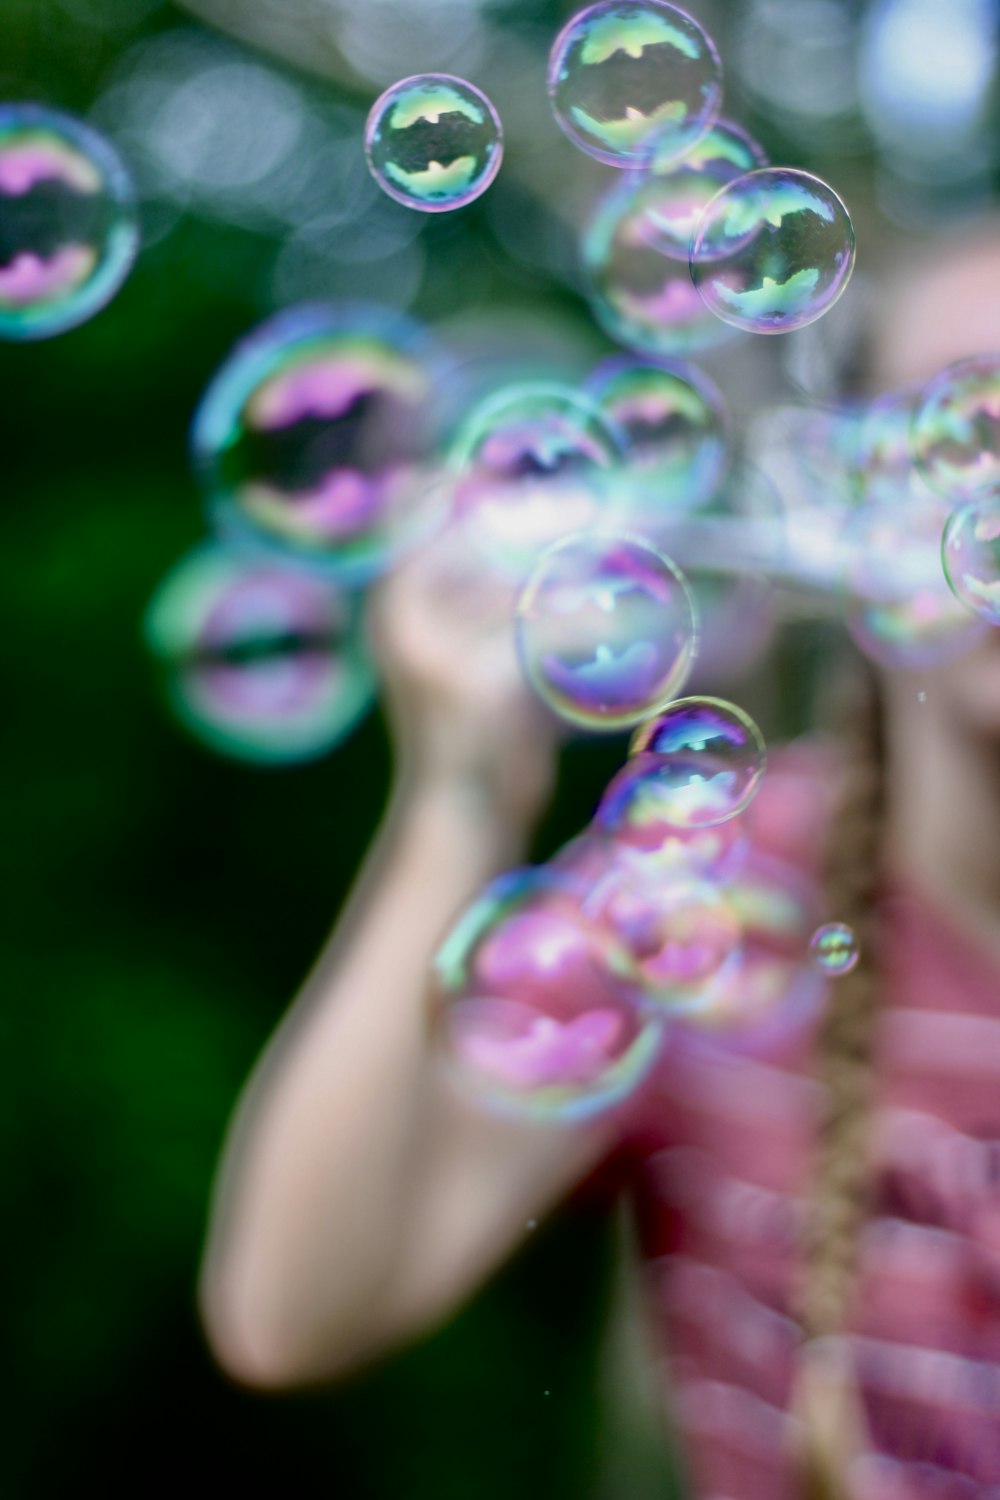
(724, 1152)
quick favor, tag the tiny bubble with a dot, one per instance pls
(546, 1393)
(921, 696)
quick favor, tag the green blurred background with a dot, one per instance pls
(161, 904)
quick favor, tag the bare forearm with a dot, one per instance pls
(309, 1216)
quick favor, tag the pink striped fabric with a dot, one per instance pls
(724, 1150)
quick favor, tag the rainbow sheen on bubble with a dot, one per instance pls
(261, 662)
(532, 464)
(433, 142)
(636, 816)
(956, 430)
(834, 950)
(315, 441)
(970, 555)
(606, 630)
(773, 251)
(676, 433)
(684, 189)
(639, 285)
(536, 1005)
(707, 757)
(68, 228)
(624, 70)
(902, 612)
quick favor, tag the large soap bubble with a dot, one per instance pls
(68, 231)
(262, 662)
(706, 755)
(956, 430)
(433, 142)
(606, 630)
(624, 69)
(970, 553)
(315, 440)
(536, 1004)
(532, 464)
(773, 251)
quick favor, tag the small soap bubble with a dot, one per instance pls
(834, 949)
(533, 463)
(433, 142)
(708, 759)
(606, 630)
(537, 1007)
(970, 554)
(639, 284)
(261, 662)
(315, 440)
(625, 69)
(636, 815)
(680, 192)
(921, 696)
(956, 430)
(773, 251)
(676, 432)
(68, 229)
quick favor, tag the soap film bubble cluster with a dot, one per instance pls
(434, 142)
(68, 228)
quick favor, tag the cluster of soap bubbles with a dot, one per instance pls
(558, 989)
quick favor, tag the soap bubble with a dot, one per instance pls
(639, 286)
(315, 439)
(902, 612)
(637, 815)
(433, 142)
(773, 251)
(606, 630)
(970, 553)
(679, 932)
(536, 1004)
(68, 230)
(707, 756)
(533, 464)
(262, 662)
(676, 431)
(683, 190)
(624, 69)
(834, 949)
(876, 437)
(956, 431)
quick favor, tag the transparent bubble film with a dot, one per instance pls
(834, 949)
(433, 142)
(970, 554)
(773, 251)
(956, 430)
(316, 439)
(68, 228)
(625, 72)
(707, 757)
(606, 630)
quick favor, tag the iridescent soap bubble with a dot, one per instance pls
(606, 630)
(773, 251)
(532, 464)
(261, 661)
(536, 1004)
(707, 756)
(834, 949)
(679, 931)
(68, 229)
(683, 190)
(956, 430)
(901, 611)
(624, 69)
(433, 142)
(636, 815)
(639, 285)
(316, 439)
(970, 554)
(676, 431)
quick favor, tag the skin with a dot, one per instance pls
(360, 1197)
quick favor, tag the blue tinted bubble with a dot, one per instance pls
(433, 142)
(68, 231)
(262, 662)
(706, 755)
(624, 69)
(773, 251)
(316, 439)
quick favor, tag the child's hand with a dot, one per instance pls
(464, 719)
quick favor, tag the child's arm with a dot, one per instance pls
(361, 1197)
